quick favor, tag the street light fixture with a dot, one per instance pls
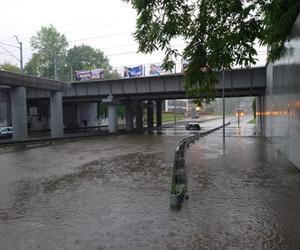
(21, 54)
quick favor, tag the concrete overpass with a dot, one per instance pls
(238, 82)
(82, 97)
(18, 85)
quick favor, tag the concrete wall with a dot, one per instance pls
(3, 107)
(281, 116)
(38, 117)
(71, 116)
(88, 112)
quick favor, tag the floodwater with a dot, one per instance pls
(111, 192)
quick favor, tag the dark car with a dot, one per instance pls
(192, 126)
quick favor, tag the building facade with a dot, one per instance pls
(279, 109)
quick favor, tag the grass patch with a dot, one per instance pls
(253, 121)
(169, 117)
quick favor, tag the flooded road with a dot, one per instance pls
(111, 192)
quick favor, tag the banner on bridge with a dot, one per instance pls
(133, 71)
(156, 70)
(85, 75)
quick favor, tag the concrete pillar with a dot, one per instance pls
(8, 109)
(158, 114)
(150, 114)
(19, 112)
(129, 117)
(112, 118)
(88, 113)
(259, 116)
(139, 117)
(56, 110)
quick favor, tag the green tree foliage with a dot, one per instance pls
(218, 34)
(279, 17)
(103, 111)
(85, 57)
(33, 67)
(50, 51)
(9, 67)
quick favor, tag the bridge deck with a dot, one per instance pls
(238, 82)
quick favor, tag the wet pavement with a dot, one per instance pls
(111, 192)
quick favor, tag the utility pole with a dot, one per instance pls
(71, 73)
(239, 112)
(21, 54)
(175, 111)
(55, 67)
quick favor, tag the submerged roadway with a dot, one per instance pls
(111, 192)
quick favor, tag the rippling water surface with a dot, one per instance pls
(112, 193)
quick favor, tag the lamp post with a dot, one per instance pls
(175, 111)
(21, 54)
(239, 113)
(223, 102)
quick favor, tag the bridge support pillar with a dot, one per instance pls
(259, 116)
(88, 114)
(150, 114)
(129, 117)
(158, 114)
(112, 118)
(19, 112)
(56, 108)
(8, 109)
(139, 117)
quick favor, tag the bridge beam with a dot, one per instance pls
(56, 114)
(150, 114)
(158, 114)
(19, 112)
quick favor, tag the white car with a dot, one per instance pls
(6, 131)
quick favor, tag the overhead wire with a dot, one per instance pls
(9, 53)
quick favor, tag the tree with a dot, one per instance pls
(85, 57)
(218, 34)
(50, 52)
(9, 67)
(33, 66)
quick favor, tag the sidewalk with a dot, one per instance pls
(243, 196)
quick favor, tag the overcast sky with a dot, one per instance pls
(104, 24)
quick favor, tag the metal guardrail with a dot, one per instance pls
(179, 176)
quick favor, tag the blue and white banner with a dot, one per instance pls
(133, 71)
